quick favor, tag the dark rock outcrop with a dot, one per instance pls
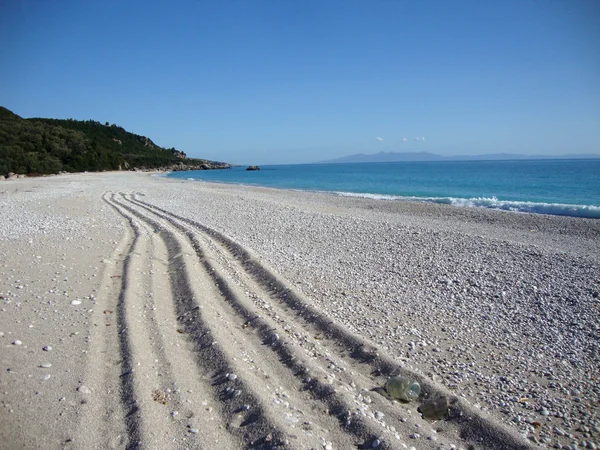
(253, 168)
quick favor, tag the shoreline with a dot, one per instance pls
(514, 206)
(494, 223)
(473, 301)
(503, 197)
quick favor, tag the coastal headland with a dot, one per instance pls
(143, 311)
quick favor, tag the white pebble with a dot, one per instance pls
(17, 342)
(76, 302)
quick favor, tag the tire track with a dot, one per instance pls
(146, 377)
(207, 377)
(185, 393)
(105, 395)
(247, 286)
(314, 379)
(264, 364)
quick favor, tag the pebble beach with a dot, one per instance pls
(499, 312)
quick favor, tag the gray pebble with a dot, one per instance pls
(84, 389)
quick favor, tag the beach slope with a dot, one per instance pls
(140, 311)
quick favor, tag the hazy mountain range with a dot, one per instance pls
(425, 156)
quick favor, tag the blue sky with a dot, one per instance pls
(271, 82)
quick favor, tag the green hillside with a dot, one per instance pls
(45, 146)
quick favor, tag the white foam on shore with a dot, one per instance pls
(555, 209)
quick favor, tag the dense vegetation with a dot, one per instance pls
(45, 146)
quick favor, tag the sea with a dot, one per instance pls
(557, 187)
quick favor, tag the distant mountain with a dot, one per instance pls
(46, 146)
(425, 156)
(387, 157)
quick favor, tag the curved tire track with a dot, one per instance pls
(187, 339)
(244, 360)
(263, 355)
(468, 423)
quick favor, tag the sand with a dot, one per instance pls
(143, 312)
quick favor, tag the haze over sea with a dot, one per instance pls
(559, 187)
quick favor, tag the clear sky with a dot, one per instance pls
(261, 82)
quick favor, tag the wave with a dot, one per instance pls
(555, 209)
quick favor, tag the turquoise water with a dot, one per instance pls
(560, 187)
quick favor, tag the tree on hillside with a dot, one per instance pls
(51, 145)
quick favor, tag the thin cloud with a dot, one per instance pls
(404, 140)
(421, 139)
(380, 139)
